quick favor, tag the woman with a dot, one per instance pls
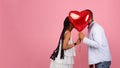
(63, 56)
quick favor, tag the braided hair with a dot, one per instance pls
(55, 52)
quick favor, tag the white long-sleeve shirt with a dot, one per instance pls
(98, 47)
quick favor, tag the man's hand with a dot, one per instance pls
(81, 36)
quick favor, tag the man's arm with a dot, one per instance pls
(96, 42)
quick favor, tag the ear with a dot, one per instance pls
(74, 16)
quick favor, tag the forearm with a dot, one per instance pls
(91, 43)
(68, 46)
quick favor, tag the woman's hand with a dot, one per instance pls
(78, 42)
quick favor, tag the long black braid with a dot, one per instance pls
(55, 52)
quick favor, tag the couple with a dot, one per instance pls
(98, 48)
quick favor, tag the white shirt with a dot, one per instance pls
(98, 47)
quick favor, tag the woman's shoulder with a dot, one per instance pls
(67, 33)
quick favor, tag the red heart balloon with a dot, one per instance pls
(79, 19)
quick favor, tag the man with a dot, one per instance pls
(98, 48)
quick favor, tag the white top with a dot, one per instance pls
(68, 54)
(98, 47)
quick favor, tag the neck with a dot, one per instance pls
(90, 22)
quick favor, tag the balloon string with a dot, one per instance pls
(79, 48)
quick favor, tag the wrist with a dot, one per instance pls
(75, 44)
(83, 38)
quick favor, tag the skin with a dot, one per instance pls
(67, 38)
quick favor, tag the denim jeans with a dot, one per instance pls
(105, 64)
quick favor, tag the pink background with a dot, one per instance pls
(30, 29)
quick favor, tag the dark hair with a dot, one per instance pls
(55, 52)
(91, 13)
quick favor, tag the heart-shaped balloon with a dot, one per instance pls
(79, 19)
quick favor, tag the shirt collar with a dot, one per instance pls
(91, 24)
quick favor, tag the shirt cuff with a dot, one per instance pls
(85, 40)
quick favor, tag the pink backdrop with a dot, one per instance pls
(30, 29)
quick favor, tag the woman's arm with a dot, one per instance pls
(66, 40)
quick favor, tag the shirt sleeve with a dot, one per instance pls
(96, 39)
